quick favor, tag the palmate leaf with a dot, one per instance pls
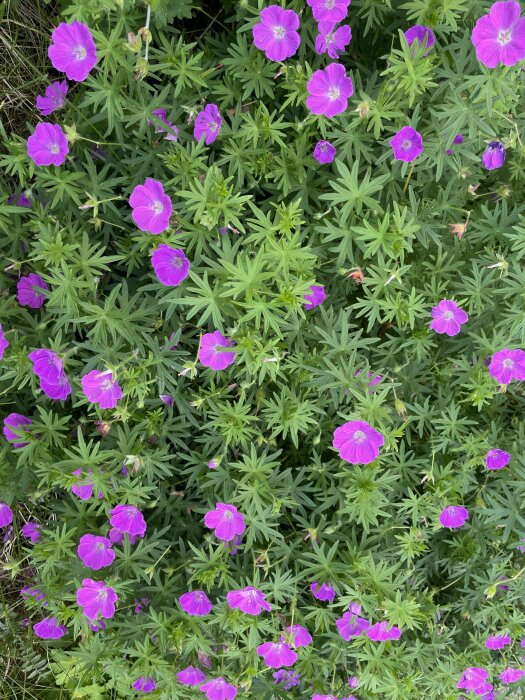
(354, 192)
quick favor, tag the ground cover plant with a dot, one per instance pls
(261, 353)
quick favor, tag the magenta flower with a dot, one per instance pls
(47, 365)
(420, 34)
(144, 684)
(47, 145)
(329, 10)
(381, 632)
(170, 264)
(191, 676)
(474, 678)
(357, 442)
(458, 138)
(6, 515)
(54, 98)
(3, 342)
(128, 519)
(48, 628)
(248, 600)
(277, 654)
(276, 33)
(73, 50)
(448, 317)
(496, 459)
(322, 591)
(287, 678)
(101, 388)
(324, 152)
(499, 37)
(226, 521)
(353, 682)
(331, 40)
(329, 90)
(151, 206)
(316, 696)
(453, 516)
(297, 636)
(315, 298)
(161, 115)
(83, 488)
(31, 530)
(59, 391)
(214, 351)
(506, 365)
(29, 291)
(351, 625)
(96, 599)
(497, 641)
(196, 603)
(13, 428)
(219, 689)
(511, 675)
(494, 155)
(208, 123)
(407, 144)
(95, 552)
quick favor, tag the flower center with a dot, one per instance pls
(79, 52)
(329, 38)
(177, 262)
(504, 37)
(279, 32)
(53, 148)
(212, 126)
(508, 364)
(329, 4)
(448, 315)
(359, 436)
(100, 546)
(228, 515)
(333, 93)
(106, 385)
(407, 143)
(157, 207)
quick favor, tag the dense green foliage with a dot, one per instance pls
(377, 233)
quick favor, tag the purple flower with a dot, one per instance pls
(381, 632)
(496, 459)
(170, 264)
(196, 603)
(167, 399)
(375, 378)
(324, 152)
(315, 298)
(506, 365)
(13, 428)
(101, 388)
(322, 591)
(212, 464)
(151, 206)
(332, 42)
(35, 593)
(350, 625)
(357, 442)
(161, 115)
(31, 530)
(47, 145)
(73, 50)
(297, 636)
(248, 600)
(22, 201)
(276, 33)
(96, 599)
(420, 34)
(448, 317)
(329, 10)
(329, 90)
(474, 678)
(511, 675)
(48, 628)
(499, 37)
(287, 678)
(191, 676)
(353, 682)
(458, 138)
(144, 684)
(97, 626)
(498, 641)
(3, 342)
(215, 351)
(6, 515)
(208, 123)
(277, 654)
(407, 144)
(29, 291)
(453, 516)
(140, 605)
(226, 521)
(59, 391)
(316, 696)
(494, 155)
(219, 689)
(54, 98)
(95, 552)
(83, 488)
(128, 519)
(47, 365)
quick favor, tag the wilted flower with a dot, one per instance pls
(151, 206)
(248, 600)
(47, 145)
(329, 90)
(315, 298)
(83, 487)
(357, 442)
(170, 264)
(322, 591)
(276, 33)
(144, 684)
(196, 603)
(511, 675)
(407, 144)
(494, 155)
(499, 37)
(215, 351)
(96, 599)
(21, 201)
(29, 291)
(208, 123)
(277, 654)
(30, 530)
(453, 516)
(458, 138)
(287, 678)
(73, 50)
(226, 521)
(160, 113)
(54, 98)
(448, 317)
(496, 459)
